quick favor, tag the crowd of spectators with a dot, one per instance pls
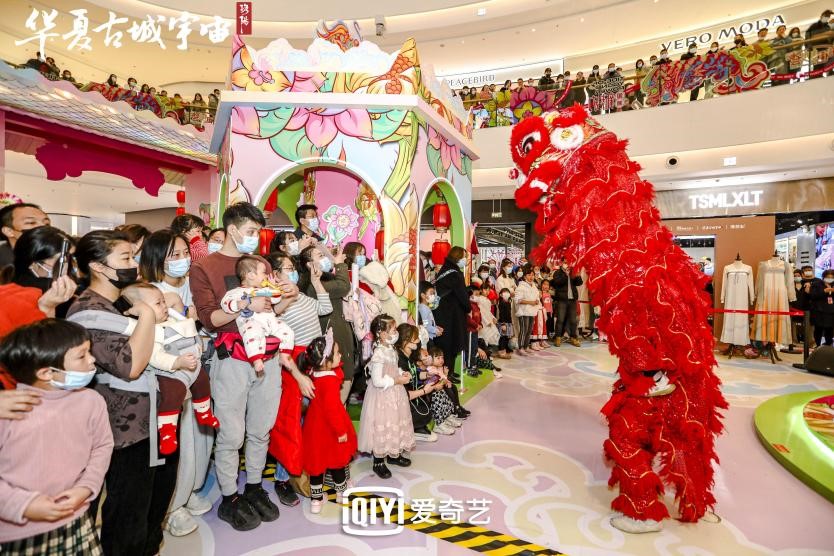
(205, 109)
(819, 36)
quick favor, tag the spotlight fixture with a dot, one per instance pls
(481, 12)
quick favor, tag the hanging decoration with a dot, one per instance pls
(441, 216)
(265, 235)
(181, 202)
(439, 251)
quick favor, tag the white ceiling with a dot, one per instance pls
(449, 34)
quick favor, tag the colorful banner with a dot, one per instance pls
(243, 20)
(139, 101)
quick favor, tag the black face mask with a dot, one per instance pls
(124, 276)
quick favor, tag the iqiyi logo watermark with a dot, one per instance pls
(380, 511)
(360, 512)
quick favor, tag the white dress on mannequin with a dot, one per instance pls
(774, 292)
(737, 294)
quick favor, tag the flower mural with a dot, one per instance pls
(341, 222)
(321, 125)
(252, 76)
(530, 102)
(442, 154)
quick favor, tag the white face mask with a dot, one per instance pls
(828, 280)
(292, 248)
(508, 270)
(392, 339)
(483, 275)
(505, 296)
(693, 50)
(313, 224)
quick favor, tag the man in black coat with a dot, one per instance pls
(822, 29)
(453, 307)
(565, 288)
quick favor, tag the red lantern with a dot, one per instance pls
(441, 216)
(439, 251)
(266, 235)
(379, 243)
(181, 196)
(180, 211)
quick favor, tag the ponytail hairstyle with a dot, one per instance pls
(313, 358)
(379, 325)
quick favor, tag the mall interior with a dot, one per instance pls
(556, 277)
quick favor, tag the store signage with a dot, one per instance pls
(498, 76)
(243, 24)
(726, 199)
(765, 198)
(42, 25)
(725, 34)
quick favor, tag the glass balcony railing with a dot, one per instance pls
(741, 69)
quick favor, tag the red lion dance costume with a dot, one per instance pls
(594, 211)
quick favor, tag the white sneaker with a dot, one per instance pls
(431, 437)
(662, 386)
(197, 504)
(631, 525)
(454, 421)
(497, 374)
(315, 506)
(180, 523)
(445, 429)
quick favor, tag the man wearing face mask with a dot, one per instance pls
(593, 94)
(821, 294)
(777, 61)
(691, 52)
(808, 282)
(245, 403)
(453, 306)
(14, 220)
(546, 82)
(308, 222)
(819, 35)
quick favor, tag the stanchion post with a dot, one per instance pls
(806, 323)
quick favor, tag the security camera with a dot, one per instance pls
(380, 25)
(672, 162)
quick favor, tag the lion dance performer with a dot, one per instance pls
(595, 212)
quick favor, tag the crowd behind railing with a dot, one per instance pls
(789, 56)
(196, 111)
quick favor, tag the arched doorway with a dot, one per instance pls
(442, 191)
(347, 205)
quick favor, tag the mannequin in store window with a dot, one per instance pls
(774, 292)
(737, 294)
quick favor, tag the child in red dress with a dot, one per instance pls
(328, 436)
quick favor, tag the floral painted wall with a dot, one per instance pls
(397, 153)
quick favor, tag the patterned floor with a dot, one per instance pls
(533, 447)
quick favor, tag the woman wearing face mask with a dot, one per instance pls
(136, 234)
(165, 263)
(355, 254)
(822, 308)
(593, 95)
(36, 261)
(452, 308)
(216, 238)
(138, 495)
(709, 84)
(640, 71)
(336, 282)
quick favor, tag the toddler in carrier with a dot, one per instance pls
(176, 348)
(254, 327)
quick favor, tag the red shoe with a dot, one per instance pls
(167, 439)
(207, 419)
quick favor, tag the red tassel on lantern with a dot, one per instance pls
(180, 211)
(439, 251)
(266, 235)
(379, 244)
(441, 216)
(181, 196)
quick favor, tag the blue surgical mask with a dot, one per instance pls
(462, 264)
(292, 276)
(360, 260)
(73, 380)
(247, 245)
(325, 264)
(177, 268)
(313, 224)
(214, 247)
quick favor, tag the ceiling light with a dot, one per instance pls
(799, 221)
(729, 161)
(481, 12)
(581, 20)
(533, 29)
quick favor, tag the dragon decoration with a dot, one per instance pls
(594, 212)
